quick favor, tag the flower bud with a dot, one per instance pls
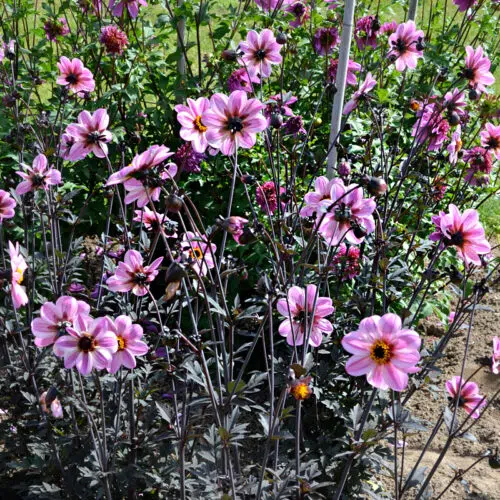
(175, 272)
(344, 168)
(454, 118)
(276, 120)
(473, 95)
(246, 237)
(248, 179)
(174, 203)
(50, 395)
(281, 38)
(229, 55)
(375, 185)
(359, 230)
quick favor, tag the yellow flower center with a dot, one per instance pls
(122, 343)
(199, 125)
(20, 272)
(301, 391)
(459, 144)
(381, 352)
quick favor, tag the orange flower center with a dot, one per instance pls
(196, 253)
(199, 125)
(301, 391)
(381, 352)
(122, 343)
(459, 144)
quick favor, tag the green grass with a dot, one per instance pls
(490, 215)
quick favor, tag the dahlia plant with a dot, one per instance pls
(224, 231)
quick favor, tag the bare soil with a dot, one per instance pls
(482, 481)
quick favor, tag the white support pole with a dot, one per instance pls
(412, 10)
(340, 81)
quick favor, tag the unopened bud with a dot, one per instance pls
(248, 179)
(281, 38)
(454, 118)
(175, 272)
(51, 395)
(473, 95)
(359, 230)
(276, 120)
(246, 237)
(229, 55)
(344, 169)
(174, 203)
(374, 185)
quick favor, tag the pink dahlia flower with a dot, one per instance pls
(241, 80)
(7, 205)
(132, 276)
(156, 222)
(495, 360)
(233, 122)
(55, 28)
(430, 126)
(480, 166)
(39, 176)
(54, 318)
(90, 344)
(114, 39)
(196, 252)
(270, 5)
(90, 134)
(313, 201)
(191, 118)
(454, 101)
(55, 406)
(490, 139)
(348, 214)
(301, 11)
(360, 94)
(260, 52)
(406, 46)
(352, 68)
(65, 145)
(141, 165)
(145, 176)
(325, 40)
(464, 5)
(388, 28)
(383, 351)
(477, 69)
(303, 309)
(455, 145)
(131, 5)
(267, 197)
(18, 267)
(75, 75)
(130, 345)
(464, 231)
(468, 395)
(366, 31)
(235, 225)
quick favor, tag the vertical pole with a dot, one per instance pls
(338, 100)
(412, 10)
(181, 29)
